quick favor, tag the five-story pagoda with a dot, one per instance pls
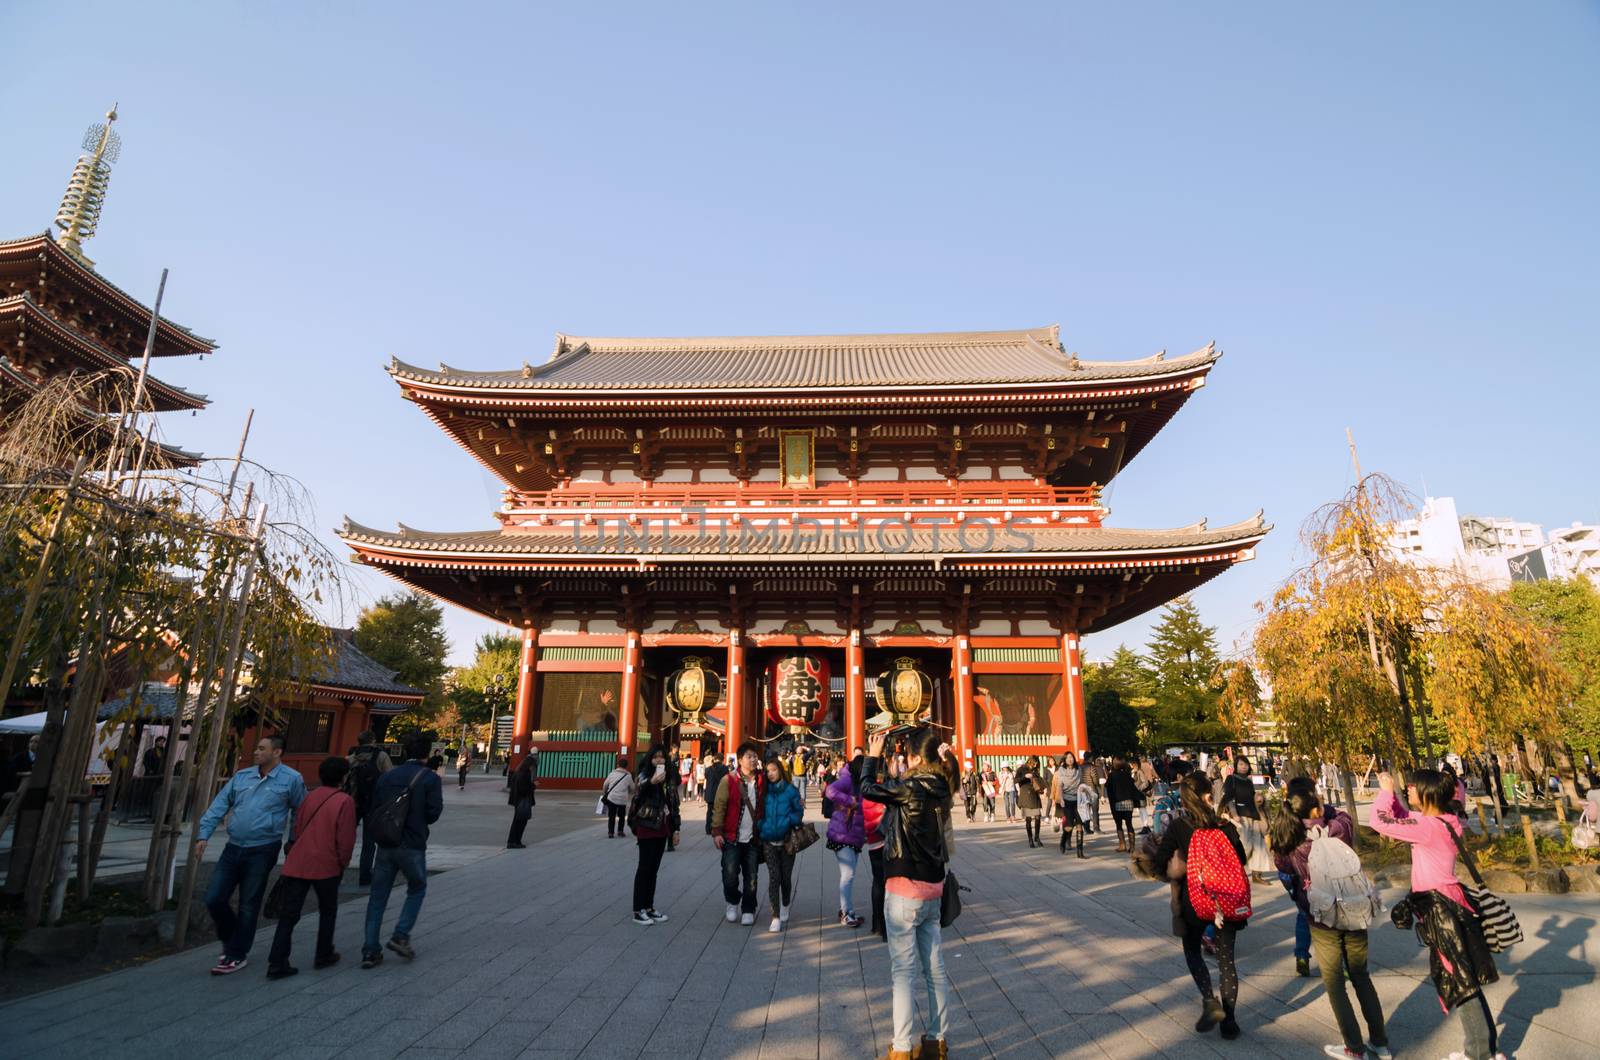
(832, 508)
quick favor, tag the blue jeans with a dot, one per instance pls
(1302, 926)
(913, 941)
(413, 865)
(244, 868)
(848, 857)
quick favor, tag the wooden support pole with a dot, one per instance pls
(30, 601)
(966, 710)
(1527, 834)
(855, 694)
(1072, 688)
(219, 722)
(627, 714)
(527, 679)
(736, 691)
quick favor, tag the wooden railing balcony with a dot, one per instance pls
(840, 495)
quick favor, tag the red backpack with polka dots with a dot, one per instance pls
(1218, 888)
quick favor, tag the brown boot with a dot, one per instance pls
(895, 1054)
(929, 1049)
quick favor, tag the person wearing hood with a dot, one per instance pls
(914, 864)
(847, 834)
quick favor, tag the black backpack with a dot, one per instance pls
(363, 778)
(386, 824)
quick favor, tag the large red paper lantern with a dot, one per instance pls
(798, 691)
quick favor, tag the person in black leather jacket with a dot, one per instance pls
(914, 855)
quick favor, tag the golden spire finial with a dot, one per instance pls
(86, 190)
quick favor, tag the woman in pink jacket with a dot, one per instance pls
(323, 838)
(1431, 829)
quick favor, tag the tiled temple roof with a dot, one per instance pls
(933, 359)
(804, 542)
(172, 339)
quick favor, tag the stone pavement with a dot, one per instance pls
(531, 953)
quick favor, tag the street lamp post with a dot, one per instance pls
(499, 684)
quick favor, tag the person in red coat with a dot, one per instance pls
(323, 839)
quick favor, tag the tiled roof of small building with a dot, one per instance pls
(933, 359)
(350, 667)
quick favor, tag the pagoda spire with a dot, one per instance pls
(86, 189)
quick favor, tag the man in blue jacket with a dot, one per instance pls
(424, 796)
(261, 801)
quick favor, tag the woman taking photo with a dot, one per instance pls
(1459, 960)
(654, 819)
(914, 861)
(847, 834)
(1202, 868)
(1064, 798)
(781, 812)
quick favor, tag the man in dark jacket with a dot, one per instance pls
(368, 762)
(522, 796)
(736, 810)
(424, 795)
(715, 771)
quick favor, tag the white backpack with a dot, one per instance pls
(1338, 893)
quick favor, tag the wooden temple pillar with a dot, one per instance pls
(855, 694)
(627, 714)
(527, 679)
(1072, 687)
(735, 693)
(966, 728)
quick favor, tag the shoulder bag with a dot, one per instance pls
(1500, 927)
(950, 900)
(799, 837)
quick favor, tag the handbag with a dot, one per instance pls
(950, 900)
(1500, 927)
(1583, 833)
(272, 908)
(799, 837)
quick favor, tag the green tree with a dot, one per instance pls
(1184, 663)
(1113, 725)
(474, 690)
(405, 632)
(1570, 612)
(1126, 673)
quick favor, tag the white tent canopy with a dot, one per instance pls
(28, 724)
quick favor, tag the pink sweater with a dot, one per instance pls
(1433, 851)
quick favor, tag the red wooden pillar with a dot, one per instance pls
(735, 693)
(527, 675)
(966, 712)
(1072, 683)
(627, 717)
(855, 694)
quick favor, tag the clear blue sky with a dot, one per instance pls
(1384, 213)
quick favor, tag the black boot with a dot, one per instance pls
(1230, 1026)
(1080, 843)
(1065, 835)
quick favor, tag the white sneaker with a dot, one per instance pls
(733, 914)
(783, 913)
(775, 927)
(747, 919)
(1380, 1051)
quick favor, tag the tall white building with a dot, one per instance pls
(1574, 552)
(1496, 551)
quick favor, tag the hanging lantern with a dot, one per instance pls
(904, 691)
(691, 690)
(798, 691)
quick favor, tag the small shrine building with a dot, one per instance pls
(786, 514)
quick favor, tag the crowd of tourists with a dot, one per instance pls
(1202, 826)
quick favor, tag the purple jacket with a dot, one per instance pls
(1297, 862)
(847, 827)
